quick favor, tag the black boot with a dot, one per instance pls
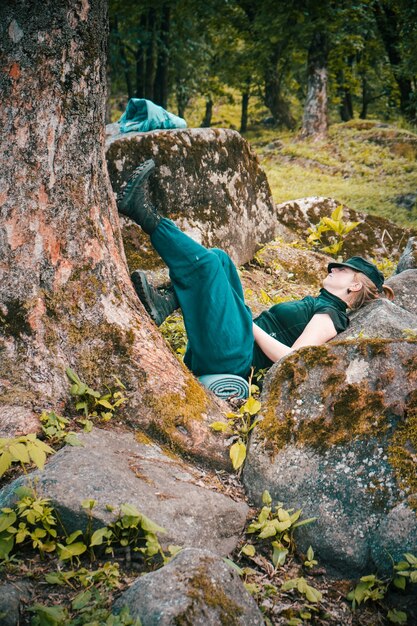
(159, 303)
(134, 200)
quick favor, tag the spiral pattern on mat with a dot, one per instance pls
(226, 385)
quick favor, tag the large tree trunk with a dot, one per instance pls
(65, 294)
(273, 99)
(161, 88)
(388, 26)
(208, 113)
(245, 107)
(315, 122)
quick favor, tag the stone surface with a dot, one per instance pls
(405, 289)
(408, 259)
(207, 180)
(18, 420)
(374, 237)
(196, 588)
(112, 468)
(11, 596)
(338, 439)
(380, 318)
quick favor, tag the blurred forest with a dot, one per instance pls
(298, 63)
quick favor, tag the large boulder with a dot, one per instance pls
(405, 289)
(113, 468)
(196, 587)
(338, 438)
(207, 180)
(408, 259)
(374, 237)
(381, 318)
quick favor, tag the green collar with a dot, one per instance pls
(336, 302)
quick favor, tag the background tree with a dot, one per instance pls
(65, 293)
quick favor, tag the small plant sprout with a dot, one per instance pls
(300, 584)
(92, 403)
(238, 426)
(54, 427)
(369, 588)
(334, 225)
(277, 524)
(310, 561)
(406, 571)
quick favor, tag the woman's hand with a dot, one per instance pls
(319, 330)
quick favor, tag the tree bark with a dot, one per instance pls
(387, 22)
(208, 113)
(123, 57)
(244, 109)
(273, 99)
(315, 122)
(161, 88)
(65, 294)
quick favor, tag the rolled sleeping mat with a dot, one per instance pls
(226, 385)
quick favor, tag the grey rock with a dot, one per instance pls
(11, 596)
(395, 535)
(207, 180)
(335, 422)
(112, 468)
(404, 286)
(381, 318)
(408, 259)
(196, 587)
(374, 237)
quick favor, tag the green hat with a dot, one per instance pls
(359, 264)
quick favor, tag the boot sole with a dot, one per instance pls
(141, 286)
(140, 174)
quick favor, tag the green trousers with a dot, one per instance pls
(208, 288)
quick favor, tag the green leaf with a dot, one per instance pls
(73, 536)
(251, 406)
(105, 403)
(304, 522)
(19, 452)
(5, 462)
(72, 375)
(150, 526)
(81, 600)
(99, 535)
(220, 427)
(279, 556)
(238, 454)
(313, 595)
(411, 558)
(88, 503)
(6, 546)
(49, 615)
(129, 509)
(266, 498)
(37, 455)
(310, 553)
(68, 552)
(269, 530)
(72, 440)
(233, 565)
(249, 549)
(7, 519)
(400, 582)
(337, 214)
(397, 617)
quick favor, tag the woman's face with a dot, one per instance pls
(339, 280)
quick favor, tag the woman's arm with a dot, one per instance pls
(319, 330)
